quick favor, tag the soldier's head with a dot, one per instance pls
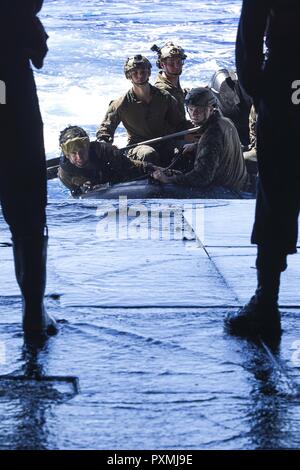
(200, 103)
(75, 145)
(170, 58)
(138, 69)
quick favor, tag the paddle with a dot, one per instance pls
(161, 139)
(53, 163)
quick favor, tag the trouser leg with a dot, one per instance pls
(278, 192)
(158, 154)
(23, 196)
(270, 263)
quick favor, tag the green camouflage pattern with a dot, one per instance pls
(218, 158)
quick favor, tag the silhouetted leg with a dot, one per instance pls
(23, 195)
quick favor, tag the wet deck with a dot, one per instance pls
(144, 306)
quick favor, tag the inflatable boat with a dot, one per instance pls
(150, 189)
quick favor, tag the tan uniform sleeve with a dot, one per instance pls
(109, 124)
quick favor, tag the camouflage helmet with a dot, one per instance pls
(71, 132)
(73, 139)
(201, 96)
(168, 50)
(135, 62)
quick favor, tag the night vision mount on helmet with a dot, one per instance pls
(168, 50)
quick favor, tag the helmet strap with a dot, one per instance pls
(165, 69)
(139, 84)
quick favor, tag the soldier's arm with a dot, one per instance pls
(71, 182)
(37, 5)
(131, 169)
(118, 167)
(22, 35)
(250, 43)
(37, 47)
(207, 161)
(35, 36)
(109, 124)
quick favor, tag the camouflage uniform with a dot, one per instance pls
(105, 165)
(144, 121)
(23, 178)
(162, 83)
(219, 159)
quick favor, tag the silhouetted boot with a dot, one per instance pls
(260, 316)
(30, 254)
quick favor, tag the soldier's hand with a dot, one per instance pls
(37, 48)
(194, 137)
(87, 186)
(171, 172)
(150, 168)
(159, 175)
(189, 148)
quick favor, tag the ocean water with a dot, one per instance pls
(143, 313)
(90, 41)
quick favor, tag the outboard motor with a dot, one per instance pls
(223, 85)
(233, 102)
